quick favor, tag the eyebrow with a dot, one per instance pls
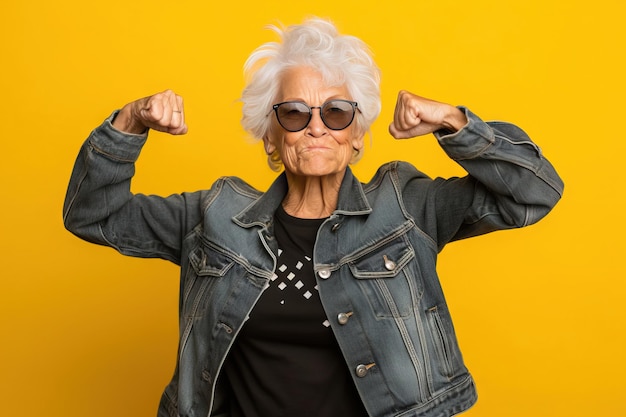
(299, 100)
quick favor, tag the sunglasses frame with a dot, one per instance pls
(354, 105)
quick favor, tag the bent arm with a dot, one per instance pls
(515, 185)
(100, 208)
(510, 183)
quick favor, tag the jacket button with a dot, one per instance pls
(342, 318)
(389, 264)
(324, 273)
(362, 370)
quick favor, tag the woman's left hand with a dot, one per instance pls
(417, 116)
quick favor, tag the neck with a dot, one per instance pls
(312, 197)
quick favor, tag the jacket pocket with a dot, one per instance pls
(383, 274)
(441, 342)
(205, 264)
(209, 262)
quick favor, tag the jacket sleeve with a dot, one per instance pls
(510, 183)
(100, 207)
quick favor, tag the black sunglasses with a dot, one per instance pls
(294, 116)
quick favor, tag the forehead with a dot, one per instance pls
(307, 84)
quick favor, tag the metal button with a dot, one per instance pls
(342, 318)
(335, 227)
(324, 273)
(363, 370)
(389, 264)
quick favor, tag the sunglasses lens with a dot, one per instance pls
(293, 116)
(337, 114)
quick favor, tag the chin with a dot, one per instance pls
(322, 172)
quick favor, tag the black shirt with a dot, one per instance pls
(286, 361)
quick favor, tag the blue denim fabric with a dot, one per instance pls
(374, 257)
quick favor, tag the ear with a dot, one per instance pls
(268, 144)
(357, 142)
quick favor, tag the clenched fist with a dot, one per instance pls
(162, 111)
(416, 116)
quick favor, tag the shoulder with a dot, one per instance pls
(239, 186)
(399, 172)
(232, 192)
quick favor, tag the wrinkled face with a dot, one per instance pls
(316, 150)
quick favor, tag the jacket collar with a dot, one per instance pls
(352, 201)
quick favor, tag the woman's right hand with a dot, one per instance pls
(163, 112)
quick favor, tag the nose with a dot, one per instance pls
(316, 126)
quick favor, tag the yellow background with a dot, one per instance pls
(539, 312)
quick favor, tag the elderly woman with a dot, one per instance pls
(318, 297)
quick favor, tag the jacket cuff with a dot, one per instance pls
(116, 144)
(470, 141)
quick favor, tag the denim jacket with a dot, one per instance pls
(374, 259)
